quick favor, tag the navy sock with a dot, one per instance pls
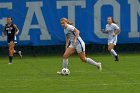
(10, 59)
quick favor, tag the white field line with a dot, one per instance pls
(111, 84)
(105, 72)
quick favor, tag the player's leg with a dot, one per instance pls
(11, 51)
(89, 60)
(112, 51)
(69, 51)
(80, 48)
(16, 51)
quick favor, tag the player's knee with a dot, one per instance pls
(109, 49)
(65, 56)
(11, 51)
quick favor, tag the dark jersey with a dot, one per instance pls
(10, 30)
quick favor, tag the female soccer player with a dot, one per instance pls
(74, 43)
(112, 30)
(11, 30)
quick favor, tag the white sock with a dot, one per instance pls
(113, 52)
(65, 63)
(90, 61)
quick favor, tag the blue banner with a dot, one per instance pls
(38, 20)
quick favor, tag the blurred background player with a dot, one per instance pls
(112, 30)
(74, 43)
(11, 31)
(16, 51)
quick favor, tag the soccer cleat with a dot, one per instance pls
(20, 54)
(99, 66)
(117, 58)
(59, 72)
(10, 63)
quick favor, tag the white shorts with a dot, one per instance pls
(112, 41)
(79, 47)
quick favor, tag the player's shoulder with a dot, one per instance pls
(13, 24)
(107, 25)
(70, 27)
(5, 25)
(113, 24)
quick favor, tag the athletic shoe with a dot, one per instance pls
(59, 72)
(99, 66)
(10, 63)
(117, 58)
(20, 54)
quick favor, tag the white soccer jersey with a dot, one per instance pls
(69, 32)
(112, 28)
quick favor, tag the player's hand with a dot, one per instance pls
(103, 30)
(74, 42)
(16, 33)
(114, 35)
(66, 47)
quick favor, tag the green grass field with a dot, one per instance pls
(38, 75)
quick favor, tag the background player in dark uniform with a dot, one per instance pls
(11, 31)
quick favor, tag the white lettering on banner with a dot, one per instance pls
(71, 7)
(34, 8)
(3, 20)
(97, 15)
(135, 10)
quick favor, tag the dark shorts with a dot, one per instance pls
(10, 39)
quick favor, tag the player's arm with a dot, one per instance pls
(67, 42)
(105, 31)
(17, 30)
(117, 30)
(76, 34)
(3, 31)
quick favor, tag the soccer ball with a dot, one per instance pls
(65, 71)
